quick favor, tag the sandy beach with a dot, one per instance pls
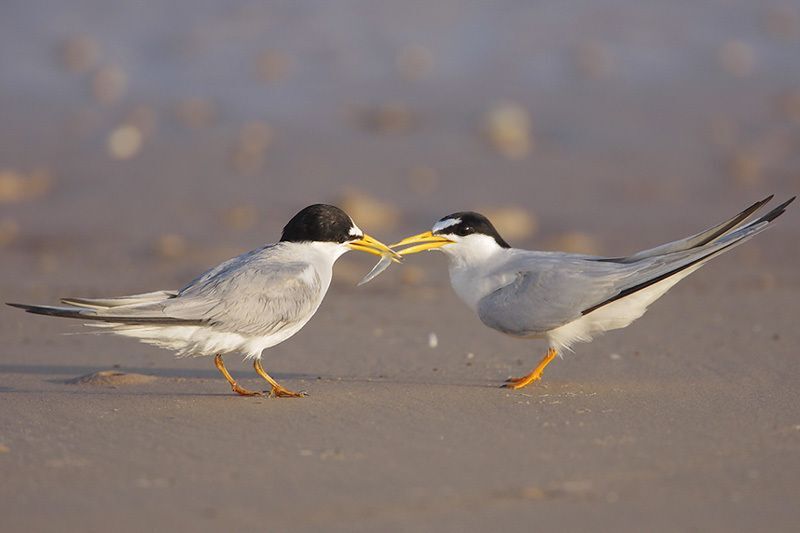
(141, 145)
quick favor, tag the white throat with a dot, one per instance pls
(322, 253)
(472, 250)
(470, 260)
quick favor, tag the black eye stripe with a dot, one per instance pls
(471, 223)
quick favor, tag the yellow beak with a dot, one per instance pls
(374, 247)
(423, 241)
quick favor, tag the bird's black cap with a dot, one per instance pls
(320, 223)
(467, 223)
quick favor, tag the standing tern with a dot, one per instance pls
(246, 304)
(568, 298)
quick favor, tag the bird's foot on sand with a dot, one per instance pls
(245, 392)
(518, 383)
(280, 392)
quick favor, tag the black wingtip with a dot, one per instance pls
(20, 306)
(775, 213)
(88, 314)
(47, 310)
(735, 221)
(758, 205)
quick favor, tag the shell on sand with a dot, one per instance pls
(111, 378)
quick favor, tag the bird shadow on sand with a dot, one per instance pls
(160, 372)
(70, 374)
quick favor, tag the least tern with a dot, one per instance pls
(567, 298)
(246, 304)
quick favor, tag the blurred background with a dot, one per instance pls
(172, 135)
(142, 142)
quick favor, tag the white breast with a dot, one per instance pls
(471, 284)
(615, 315)
(476, 268)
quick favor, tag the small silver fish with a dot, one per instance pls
(379, 267)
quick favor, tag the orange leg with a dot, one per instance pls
(235, 386)
(277, 390)
(536, 375)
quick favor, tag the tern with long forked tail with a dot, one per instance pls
(246, 304)
(568, 298)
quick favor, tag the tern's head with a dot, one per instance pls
(321, 223)
(461, 233)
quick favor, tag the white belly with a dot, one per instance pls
(615, 315)
(203, 340)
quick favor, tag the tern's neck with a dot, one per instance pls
(472, 251)
(471, 261)
(321, 253)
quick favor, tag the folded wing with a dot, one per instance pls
(554, 289)
(251, 295)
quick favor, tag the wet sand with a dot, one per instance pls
(646, 124)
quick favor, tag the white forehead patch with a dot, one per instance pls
(446, 223)
(355, 231)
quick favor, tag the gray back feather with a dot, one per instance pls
(256, 293)
(549, 290)
(553, 289)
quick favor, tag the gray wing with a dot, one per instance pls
(549, 290)
(254, 294)
(258, 298)
(553, 289)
